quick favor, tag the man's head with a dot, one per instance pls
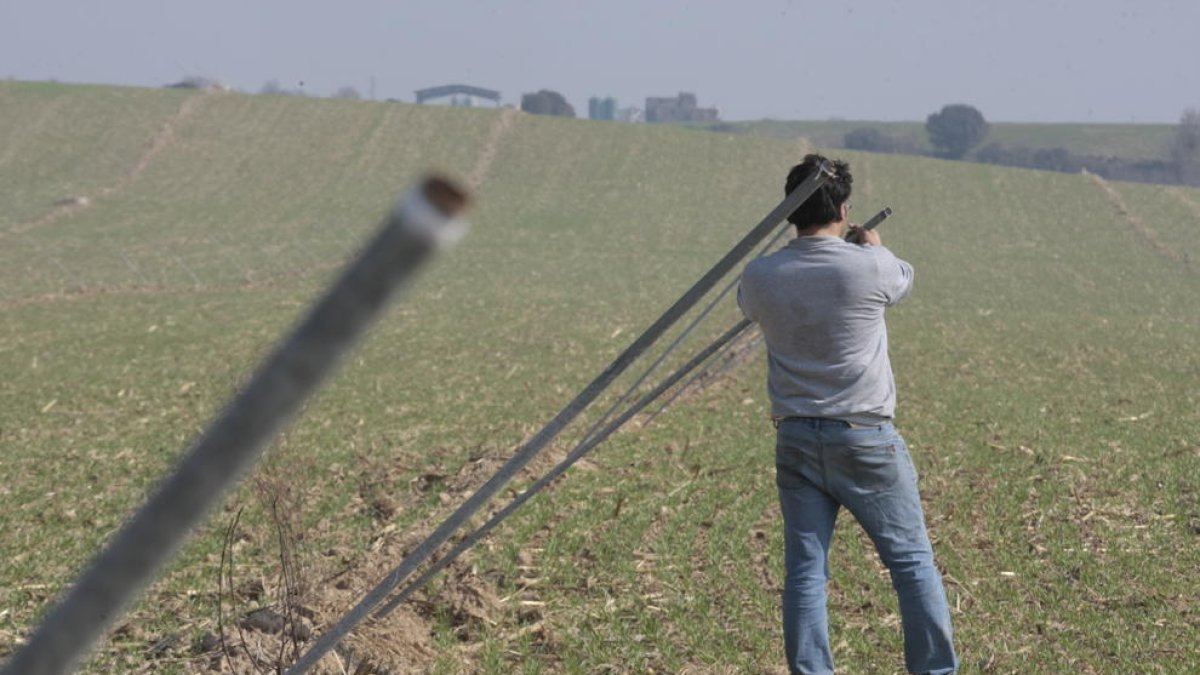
(830, 203)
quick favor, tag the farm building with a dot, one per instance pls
(460, 94)
(681, 108)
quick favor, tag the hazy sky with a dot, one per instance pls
(1016, 60)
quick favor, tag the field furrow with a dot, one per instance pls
(68, 206)
(1147, 234)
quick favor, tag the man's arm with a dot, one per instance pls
(743, 302)
(895, 275)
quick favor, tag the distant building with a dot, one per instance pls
(461, 94)
(602, 108)
(681, 108)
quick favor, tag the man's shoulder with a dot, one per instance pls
(760, 265)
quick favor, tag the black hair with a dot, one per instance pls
(824, 206)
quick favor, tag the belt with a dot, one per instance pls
(853, 425)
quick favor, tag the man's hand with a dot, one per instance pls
(857, 235)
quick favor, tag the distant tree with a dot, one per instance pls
(874, 141)
(1185, 147)
(1057, 159)
(871, 139)
(864, 138)
(1005, 155)
(547, 102)
(347, 92)
(956, 129)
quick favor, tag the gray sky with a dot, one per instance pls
(1016, 60)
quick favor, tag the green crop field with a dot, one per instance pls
(154, 244)
(1129, 141)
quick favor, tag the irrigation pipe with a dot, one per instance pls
(421, 222)
(575, 455)
(535, 444)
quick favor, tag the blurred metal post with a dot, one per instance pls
(422, 221)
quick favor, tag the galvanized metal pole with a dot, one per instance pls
(584, 447)
(424, 220)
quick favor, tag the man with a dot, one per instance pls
(819, 302)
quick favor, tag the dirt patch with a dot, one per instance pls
(162, 139)
(265, 640)
(483, 165)
(472, 601)
(267, 627)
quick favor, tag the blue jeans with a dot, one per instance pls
(822, 465)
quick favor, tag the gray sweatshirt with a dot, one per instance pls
(820, 301)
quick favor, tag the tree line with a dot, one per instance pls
(957, 129)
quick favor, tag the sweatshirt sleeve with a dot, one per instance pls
(895, 276)
(742, 302)
(743, 296)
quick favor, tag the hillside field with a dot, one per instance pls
(154, 244)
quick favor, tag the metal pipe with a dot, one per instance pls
(420, 223)
(575, 455)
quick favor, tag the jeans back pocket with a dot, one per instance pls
(869, 464)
